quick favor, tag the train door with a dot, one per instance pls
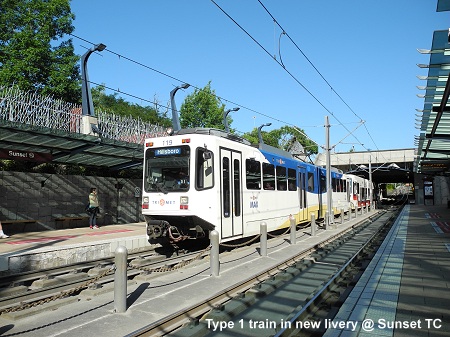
(231, 193)
(349, 189)
(303, 212)
(321, 176)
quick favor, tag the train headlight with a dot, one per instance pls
(145, 202)
(184, 201)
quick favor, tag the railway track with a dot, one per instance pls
(308, 287)
(26, 290)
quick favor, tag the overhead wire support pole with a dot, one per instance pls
(87, 104)
(372, 206)
(175, 118)
(328, 178)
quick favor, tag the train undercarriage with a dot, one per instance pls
(172, 230)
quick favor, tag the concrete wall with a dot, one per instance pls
(441, 190)
(351, 159)
(22, 196)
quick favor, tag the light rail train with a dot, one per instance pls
(203, 179)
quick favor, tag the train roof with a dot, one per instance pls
(267, 150)
(213, 132)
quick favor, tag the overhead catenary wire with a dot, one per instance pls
(181, 81)
(315, 68)
(287, 71)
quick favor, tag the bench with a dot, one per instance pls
(72, 216)
(66, 219)
(24, 222)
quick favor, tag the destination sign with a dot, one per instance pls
(168, 152)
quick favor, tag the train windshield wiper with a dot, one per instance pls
(160, 187)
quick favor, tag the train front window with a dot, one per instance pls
(167, 169)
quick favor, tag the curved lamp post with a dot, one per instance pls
(175, 119)
(86, 103)
(259, 132)
(225, 121)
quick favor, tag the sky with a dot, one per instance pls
(353, 62)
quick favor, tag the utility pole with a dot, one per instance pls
(372, 206)
(328, 178)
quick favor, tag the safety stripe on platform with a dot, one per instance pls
(432, 215)
(375, 295)
(94, 232)
(441, 227)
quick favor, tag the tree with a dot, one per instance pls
(283, 138)
(32, 52)
(203, 109)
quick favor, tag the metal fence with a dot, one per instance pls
(37, 110)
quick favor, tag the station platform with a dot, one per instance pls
(407, 281)
(405, 290)
(29, 251)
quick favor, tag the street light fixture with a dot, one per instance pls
(259, 132)
(175, 119)
(225, 121)
(86, 96)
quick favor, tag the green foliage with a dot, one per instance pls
(203, 109)
(390, 187)
(282, 138)
(32, 52)
(119, 106)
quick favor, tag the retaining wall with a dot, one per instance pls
(41, 196)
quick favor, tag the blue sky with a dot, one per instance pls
(365, 50)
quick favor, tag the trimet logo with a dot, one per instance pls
(254, 201)
(162, 202)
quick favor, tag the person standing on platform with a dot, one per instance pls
(2, 235)
(93, 208)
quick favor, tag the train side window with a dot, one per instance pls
(292, 180)
(253, 174)
(310, 182)
(281, 178)
(268, 176)
(334, 184)
(355, 188)
(204, 169)
(323, 184)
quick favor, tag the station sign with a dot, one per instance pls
(26, 155)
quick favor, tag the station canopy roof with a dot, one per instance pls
(40, 144)
(433, 121)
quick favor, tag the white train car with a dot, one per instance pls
(204, 179)
(359, 191)
(341, 199)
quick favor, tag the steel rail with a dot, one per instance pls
(287, 331)
(34, 295)
(177, 319)
(30, 276)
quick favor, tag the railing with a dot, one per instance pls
(34, 109)
(126, 129)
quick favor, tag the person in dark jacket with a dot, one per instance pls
(93, 208)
